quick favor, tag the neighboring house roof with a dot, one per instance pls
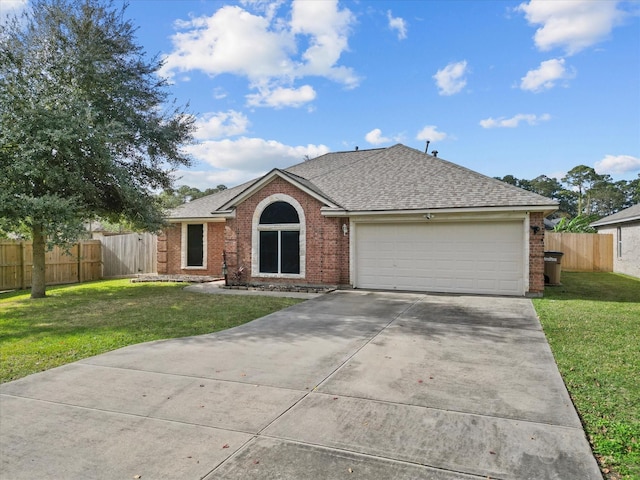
(631, 214)
(550, 223)
(397, 178)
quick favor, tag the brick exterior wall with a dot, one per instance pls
(163, 266)
(536, 254)
(327, 248)
(170, 251)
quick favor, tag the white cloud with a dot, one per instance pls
(451, 79)
(268, 7)
(571, 24)
(232, 40)
(546, 75)
(10, 8)
(328, 30)
(252, 155)
(431, 133)
(220, 124)
(374, 137)
(397, 23)
(514, 121)
(219, 93)
(263, 47)
(613, 164)
(282, 97)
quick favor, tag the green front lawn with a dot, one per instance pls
(592, 323)
(79, 321)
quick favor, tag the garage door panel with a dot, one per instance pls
(485, 265)
(456, 258)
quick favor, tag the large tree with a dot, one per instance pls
(607, 197)
(86, 126)
(583, 178)
(633, 192)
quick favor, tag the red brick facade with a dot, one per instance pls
(536, 253)
(327, 246)
(170, 251)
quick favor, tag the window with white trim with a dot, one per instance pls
(194, 245)
(619, 241)
(279, 239)
(277, 254)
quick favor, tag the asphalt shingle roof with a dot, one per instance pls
(389, 179)
(203, 206)
(627, 215)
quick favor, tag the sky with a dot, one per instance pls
(522, 88)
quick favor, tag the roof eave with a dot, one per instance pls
(615, 222)
(216, 216)
(546, 209)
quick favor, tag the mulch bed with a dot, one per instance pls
(176, 278)
(206, 278)
(282, 288)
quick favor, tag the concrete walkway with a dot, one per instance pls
(354, 385)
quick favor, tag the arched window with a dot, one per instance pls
(279, 212)
(279, 239)
(279, 243)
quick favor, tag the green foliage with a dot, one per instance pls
(579, 224)
(172, 198)
(632, 191)
(86, 130)
(584, 193)
(79, 321)
(582, 178)
(592, 323)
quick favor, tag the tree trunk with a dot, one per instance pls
(38, 283)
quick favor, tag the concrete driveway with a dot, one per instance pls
(350, 385)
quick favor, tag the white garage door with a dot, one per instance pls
(485, 258)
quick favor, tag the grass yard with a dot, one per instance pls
(592, 323)
(79, 321)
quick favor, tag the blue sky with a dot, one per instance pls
(501, 87)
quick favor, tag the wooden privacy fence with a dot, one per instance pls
(583, 252)
(130, 254)
(82, 263)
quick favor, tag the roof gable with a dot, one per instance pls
(299, 182)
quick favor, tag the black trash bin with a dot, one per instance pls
(552, 267)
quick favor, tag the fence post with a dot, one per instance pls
(79, 262)
(23, 265)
